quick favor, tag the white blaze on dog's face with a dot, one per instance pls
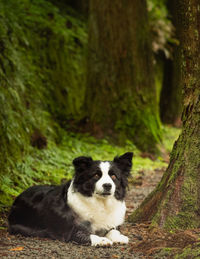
(105, 185)
(102, 178)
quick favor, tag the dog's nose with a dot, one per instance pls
(107, 186)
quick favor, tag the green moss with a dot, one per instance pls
(42, 78)
(151, 204)
(166, 252)
(189, 252)
(192, 251)
(182, 186)
(147, 130)
(185, 217)
(170, 134)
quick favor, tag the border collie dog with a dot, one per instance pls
(86, 210)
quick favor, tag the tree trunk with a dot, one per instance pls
(171, 94)
(175, 203)
(121, 96)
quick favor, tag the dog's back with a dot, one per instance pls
(37, 212)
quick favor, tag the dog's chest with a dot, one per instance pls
(101, 213)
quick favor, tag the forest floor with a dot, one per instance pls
(144, 241)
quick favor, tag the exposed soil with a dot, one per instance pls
(144, 241)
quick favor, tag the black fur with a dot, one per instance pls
(43, 210)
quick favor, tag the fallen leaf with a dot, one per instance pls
(19, 248)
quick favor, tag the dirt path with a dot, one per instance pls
(21, 247)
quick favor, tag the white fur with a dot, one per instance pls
(100, 241)
(116, 237)
(104, 166)
(104, 213)
(105, 178)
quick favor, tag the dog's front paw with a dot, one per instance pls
(117, 237)
(100, 241)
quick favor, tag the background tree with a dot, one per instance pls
(171, 94)
(175, 203)
(121, 94)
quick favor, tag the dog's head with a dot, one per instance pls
(102, 178)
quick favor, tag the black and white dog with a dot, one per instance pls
(87, 210)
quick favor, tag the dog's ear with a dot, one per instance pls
(82, 162)
(124, 162)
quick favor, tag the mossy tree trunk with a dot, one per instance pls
(121, 96)
(175, 203)
(171, 94)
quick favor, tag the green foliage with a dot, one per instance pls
(163, 32)
(170, 135)
(42, 63)
(41, 74)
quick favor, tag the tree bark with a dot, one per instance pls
(175, 203)
(121, 95)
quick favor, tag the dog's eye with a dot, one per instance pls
(96, 176)
(113, 177)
